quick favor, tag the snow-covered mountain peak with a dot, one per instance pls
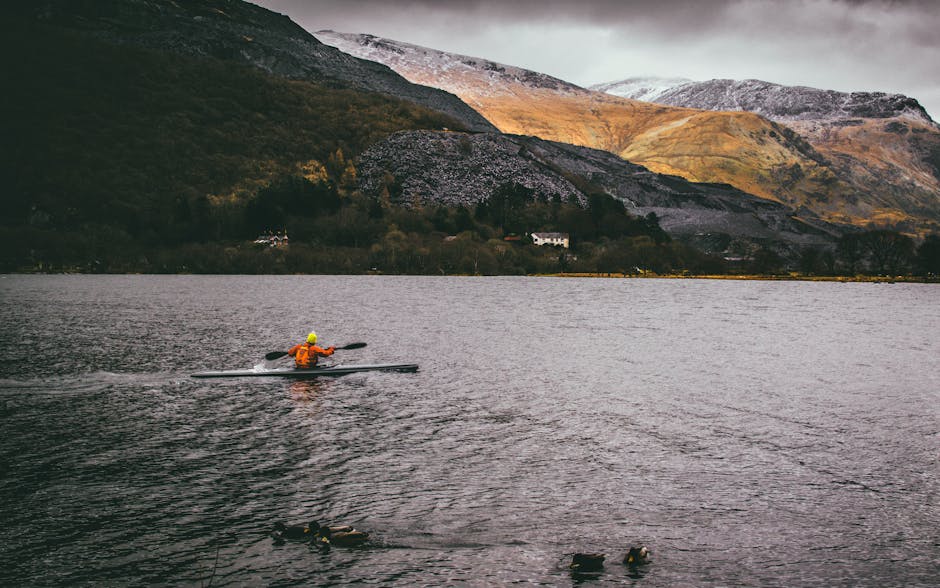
(647, 89)
(774, 101)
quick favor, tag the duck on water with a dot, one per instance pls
(323, 536)
(594, 562)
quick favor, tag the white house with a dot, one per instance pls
(278, 239)
(550, 239)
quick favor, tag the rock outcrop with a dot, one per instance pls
(463, 169)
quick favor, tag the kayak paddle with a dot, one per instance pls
(279, 354)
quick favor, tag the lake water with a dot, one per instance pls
(748, 433)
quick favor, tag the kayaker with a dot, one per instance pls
(307, 353)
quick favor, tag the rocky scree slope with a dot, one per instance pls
(464, 169)
(238, 31)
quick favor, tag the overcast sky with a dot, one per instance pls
(870, 45)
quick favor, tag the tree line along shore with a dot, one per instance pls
(334, 231)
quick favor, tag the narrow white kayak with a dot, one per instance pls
(335, 370)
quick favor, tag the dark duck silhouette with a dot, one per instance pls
(587, 562)
(342, 536)
(284, 532)
(636, 556)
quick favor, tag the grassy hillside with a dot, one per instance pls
(113, 144)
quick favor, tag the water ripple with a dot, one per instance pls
(749, 433)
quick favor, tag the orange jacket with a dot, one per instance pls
(305, 355)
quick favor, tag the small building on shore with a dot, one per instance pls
(557, 239)
(273, 239)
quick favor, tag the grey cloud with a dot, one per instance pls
(678, 13)
(682, 13)
(888, 45)
(677, 18)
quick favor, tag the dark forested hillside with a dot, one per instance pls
(115, 144)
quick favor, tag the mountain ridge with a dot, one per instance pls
(138, 129)
(886, 146)
(775, 101)
(234, 30)
(871, 179)
(650, 135)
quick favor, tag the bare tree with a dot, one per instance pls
(889, 252)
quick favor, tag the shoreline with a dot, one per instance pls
(755, 277)
(793, 277)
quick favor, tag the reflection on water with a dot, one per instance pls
(750, 433)
(308, 390)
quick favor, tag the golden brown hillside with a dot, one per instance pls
(739, 148)
(865, 172)
(736, 148)
(887, 162)
(886, 147)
